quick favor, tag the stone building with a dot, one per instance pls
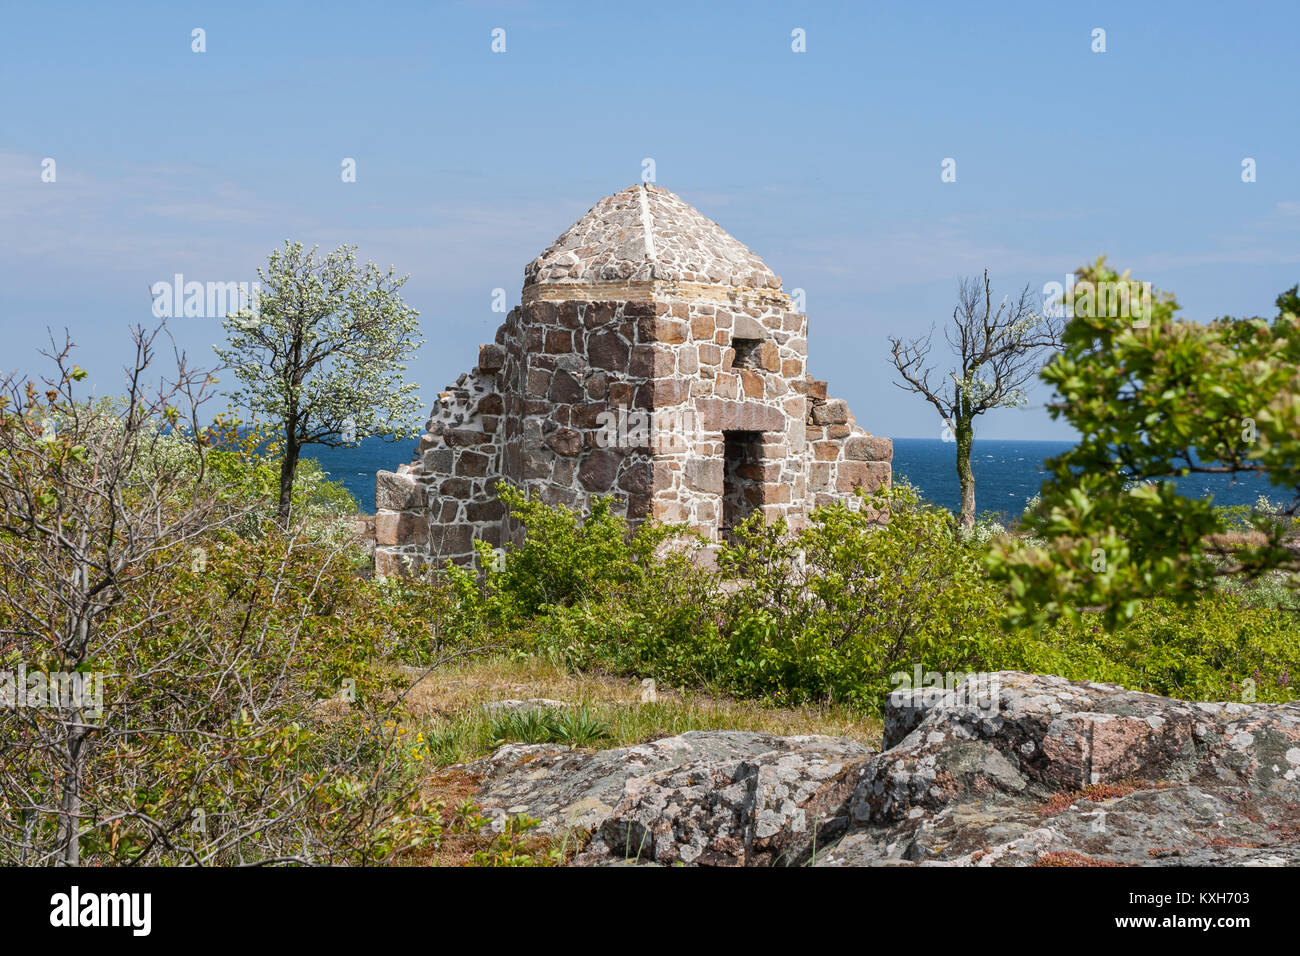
(653, 359)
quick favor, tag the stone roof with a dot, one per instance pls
(647, 234)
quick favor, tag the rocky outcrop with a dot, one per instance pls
(1033, 771)
(1057, 771)
(720, 798)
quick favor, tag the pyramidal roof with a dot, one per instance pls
(647, 234)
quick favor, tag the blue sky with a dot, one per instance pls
(825, 163)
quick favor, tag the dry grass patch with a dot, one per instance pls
(453, 688)
(445, 708)
(446, 720)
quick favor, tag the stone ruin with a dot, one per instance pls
(654, 360)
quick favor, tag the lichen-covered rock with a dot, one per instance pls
(1030, 771)
(1051, 770)
(510, 705)
(723, 798)
(771, 809)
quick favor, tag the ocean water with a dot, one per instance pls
(355, 467)
(1007, 473)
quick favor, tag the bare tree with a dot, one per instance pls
(996, 351)
(165, 693)
(90, 507)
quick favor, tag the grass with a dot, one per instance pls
(446, 723)
(445, 718)
(445, 713)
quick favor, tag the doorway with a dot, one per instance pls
(742, 489)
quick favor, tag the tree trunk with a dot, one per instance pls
(965, 437)
(70, 797)
(76, 740)
(288, 467)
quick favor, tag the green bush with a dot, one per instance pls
(1221, 648)
(251, 688)
(831, 612)
(564, 558)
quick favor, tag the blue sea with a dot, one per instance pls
(1007, 473)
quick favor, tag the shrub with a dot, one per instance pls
(565, 558)
(1218, 649)
(249, 715)
(830, 613)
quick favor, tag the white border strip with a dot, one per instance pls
(646, 223)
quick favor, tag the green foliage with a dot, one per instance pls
(243, 463)
(324, 352)
(222, 659)
(527, 726)
(512, 846)
(827, 614)
(566, 558)
(832, 612)
(222, 724)
(572, 726)
(1219, 649)
(320, 497)
(590, 593)
(1154, 397)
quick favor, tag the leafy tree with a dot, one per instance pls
(996, 353)
(1154, 397)
(161, 673)
(92, 513)
(1289, 301)
(321, 353)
